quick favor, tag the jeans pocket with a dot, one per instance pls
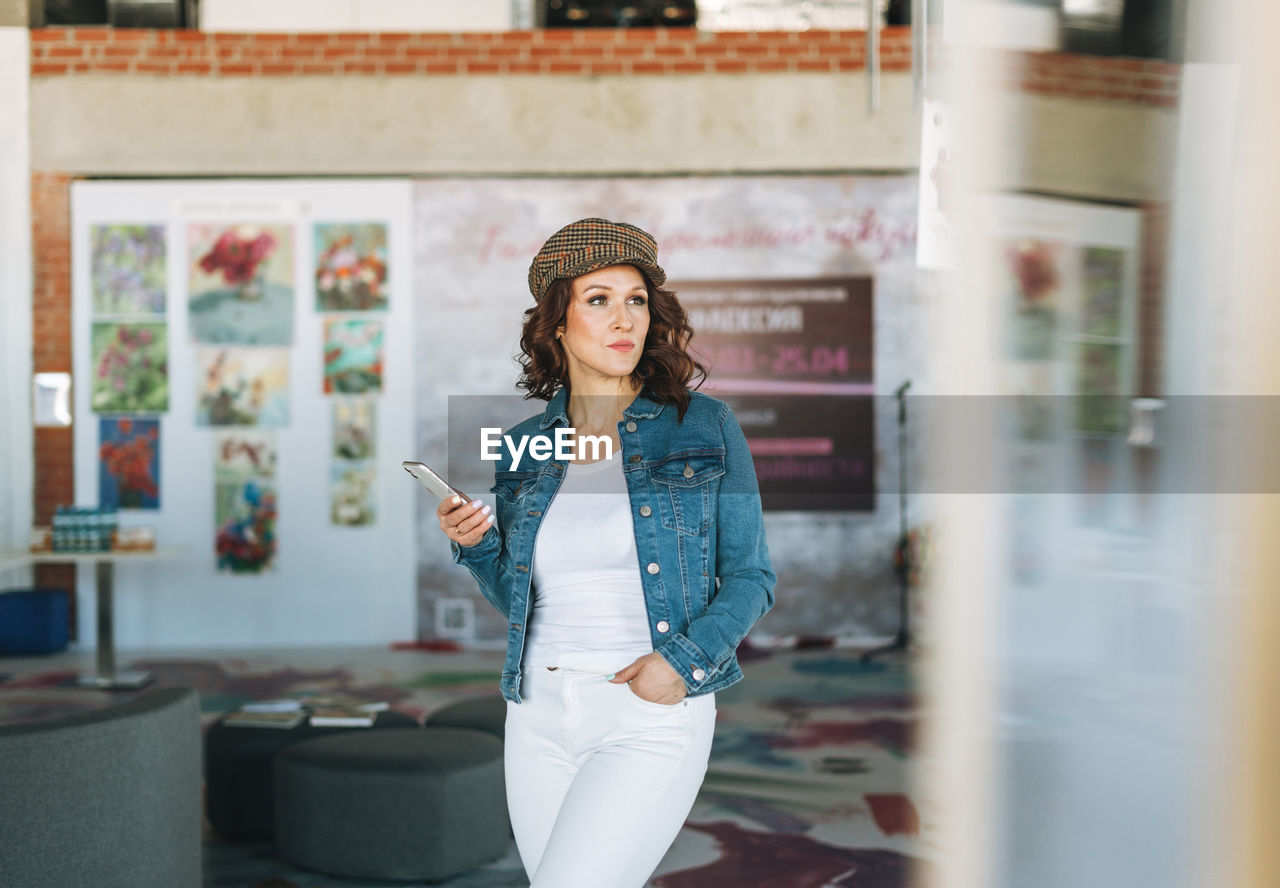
(665, 708)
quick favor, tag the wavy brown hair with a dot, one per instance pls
(665, 368)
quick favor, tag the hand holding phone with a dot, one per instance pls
(432, 480)
(463, 520)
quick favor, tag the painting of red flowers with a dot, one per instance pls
(128, 463)
(1034, 274)
(241, 284)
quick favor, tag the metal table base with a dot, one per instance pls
(107, 677)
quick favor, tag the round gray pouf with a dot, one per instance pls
(400, 803)
(488, 713)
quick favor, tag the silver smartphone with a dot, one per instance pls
(432, 481)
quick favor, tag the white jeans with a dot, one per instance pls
(599, 781)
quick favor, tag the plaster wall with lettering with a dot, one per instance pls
(475, 239)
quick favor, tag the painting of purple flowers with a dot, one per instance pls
(127, 269)
(130, 368)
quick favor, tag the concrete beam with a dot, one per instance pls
(478, 124)
(17, 13)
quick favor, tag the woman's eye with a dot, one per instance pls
(638, 300)
(596, 300)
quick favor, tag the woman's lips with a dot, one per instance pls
(622, 346)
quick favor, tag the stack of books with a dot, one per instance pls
(341, 711)
(318, 710)
(268, 714)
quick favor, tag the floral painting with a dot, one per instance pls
(352, 357)
(246, 520)
(127, 269)
(241, 284)
(130, 368)
(1034, 277)
(244, 453)
(352, 493)
(128, 463)
(1103, 284)
(354, 428)
(242, 387)
(351, 266)
(1100, 409)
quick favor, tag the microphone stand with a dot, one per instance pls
(902, 552)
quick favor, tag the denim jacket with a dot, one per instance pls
(695, 504)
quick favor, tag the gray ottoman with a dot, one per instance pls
(400, 803)
(488, 713)
(239, 791)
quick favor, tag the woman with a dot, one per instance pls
(628, 581)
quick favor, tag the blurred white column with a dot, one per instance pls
(958, 678)
(1250, 795)
(16, 445)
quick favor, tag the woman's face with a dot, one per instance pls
(605, 325)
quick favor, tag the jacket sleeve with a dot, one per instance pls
(483, 562)
(743, 571)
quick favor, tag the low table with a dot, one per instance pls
(107, 676)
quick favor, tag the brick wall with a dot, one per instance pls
(51, 352)
(1133, 81)
(592, 52)
(60, 52)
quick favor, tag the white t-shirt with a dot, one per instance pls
(587, 594)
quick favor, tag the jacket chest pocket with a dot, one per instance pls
(511, 493)
(687, 488)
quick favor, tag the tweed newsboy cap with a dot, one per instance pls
(589, 244)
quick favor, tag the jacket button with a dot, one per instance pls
(698, 674)
(653, 567)
(631, 427)
(645, 511)
(635, 457)
(688, 471)
(663, 626)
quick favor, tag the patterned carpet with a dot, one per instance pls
(810, 782)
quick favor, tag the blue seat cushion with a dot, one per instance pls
(34, 621)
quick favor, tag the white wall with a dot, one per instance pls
(355, 15)
(330, 585)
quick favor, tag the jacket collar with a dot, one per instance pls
(558, 408)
